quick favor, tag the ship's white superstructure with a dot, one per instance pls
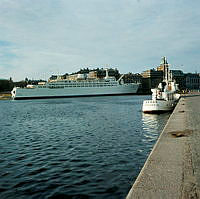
(75, 88)
(165, 97)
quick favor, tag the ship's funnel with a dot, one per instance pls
(107, 76)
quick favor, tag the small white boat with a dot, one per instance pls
(165, 97)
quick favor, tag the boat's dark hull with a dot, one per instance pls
(157, 111)
(71, 96)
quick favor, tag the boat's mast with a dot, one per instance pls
(166, 70)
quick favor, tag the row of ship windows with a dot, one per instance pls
(56, 86)
(96, 84)
(90, 82)
(158, 104)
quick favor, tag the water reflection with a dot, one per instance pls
(152, 125)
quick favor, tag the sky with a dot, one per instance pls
(39, 38)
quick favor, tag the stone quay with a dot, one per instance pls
(172, 169)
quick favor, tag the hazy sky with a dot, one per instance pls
(43, 37)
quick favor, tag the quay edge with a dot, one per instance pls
(172, 169)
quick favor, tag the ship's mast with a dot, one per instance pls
(165, 69)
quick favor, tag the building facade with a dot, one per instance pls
(179, 78)
(150, 79)
(192, 81)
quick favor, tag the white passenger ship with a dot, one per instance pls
(165, 97)
(75, 88)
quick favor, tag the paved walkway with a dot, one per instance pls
(172, 170)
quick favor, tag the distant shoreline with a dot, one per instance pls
(5, 96)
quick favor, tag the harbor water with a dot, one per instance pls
(74, 148)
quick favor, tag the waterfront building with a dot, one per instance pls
(72, 77)
(192, 81)
(152, 73)
(150, 79)
(92, 75)
(130, 78)
(179, 78)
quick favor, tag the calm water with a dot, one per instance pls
(74, 148)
